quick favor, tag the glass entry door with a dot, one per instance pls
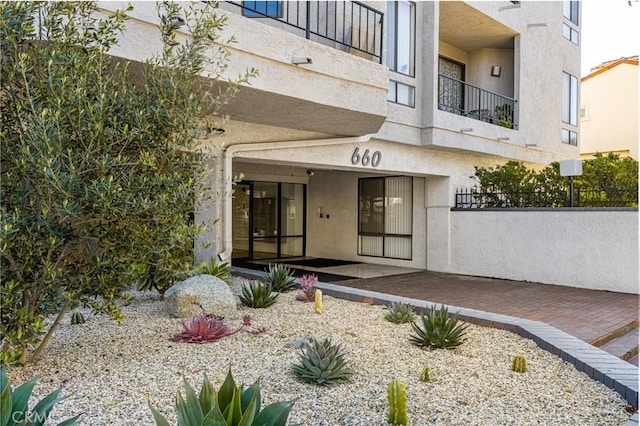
(269, 220)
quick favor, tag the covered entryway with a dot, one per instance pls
(269, 220)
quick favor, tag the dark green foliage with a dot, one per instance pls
(100, 169)
(438, 330)
(280, 279)
(14, 404)
(400, 313)
(322, 363)
(230, 405)
(257, 294)
(607, 180)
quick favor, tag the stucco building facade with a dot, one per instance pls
(366, 117)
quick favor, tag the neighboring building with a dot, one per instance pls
(609, 109)
(366, 117)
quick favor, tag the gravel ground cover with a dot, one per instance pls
(112, 371)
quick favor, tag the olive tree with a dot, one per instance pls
(100, 163)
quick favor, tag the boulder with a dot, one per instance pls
(211, 292)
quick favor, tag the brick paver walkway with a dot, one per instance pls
(585, 314)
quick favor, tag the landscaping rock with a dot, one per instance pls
(211, 292)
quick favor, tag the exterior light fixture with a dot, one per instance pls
(299, 60)
(538, 24)
(503, 138)
(495, 71)
(531, 144)
(466, 129)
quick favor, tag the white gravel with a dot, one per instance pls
(112, 371)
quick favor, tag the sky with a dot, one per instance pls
(609, 31)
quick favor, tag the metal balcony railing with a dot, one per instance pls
(460, 98)
(347, 25)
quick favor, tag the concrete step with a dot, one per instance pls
(624, 346)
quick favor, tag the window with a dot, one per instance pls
(569, 137)
(259, 9)
(570, 34)
(571, 11)
(401, 93)
(584, 113)
(569, 99)
(401, 37)
(450, 85)
(385, 216)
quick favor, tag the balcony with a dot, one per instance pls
(464, 99)
(319, 63)
(349, 26)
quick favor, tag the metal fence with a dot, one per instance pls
(351, 25)
(477, 198)
(460, 98)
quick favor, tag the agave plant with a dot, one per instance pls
(307, 292)
(257, 294)
(280, 278)
(230, 405)
(438, 330)
(399, 313)
(219, 270)
(322, 363)
(14, 404)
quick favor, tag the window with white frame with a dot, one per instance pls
(401, 37)
(385, 217)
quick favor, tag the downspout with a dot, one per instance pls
(228, 153)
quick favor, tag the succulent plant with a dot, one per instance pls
(206, 328)
(322, 363)
(426, 374)
(280, 278)
(219, 270)
(399, 313)
(77, 318)
(230, 405)
(519, 364)
(14, 404)
(438, 330)
(307, 288)
(256, 294)
(397, 398)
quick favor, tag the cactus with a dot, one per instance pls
(397, 397)
(318, 301)
(77, 318)
(519, 364)
(426, 374)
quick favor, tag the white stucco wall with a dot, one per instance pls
(587, 249)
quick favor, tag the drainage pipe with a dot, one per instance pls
(230, 151)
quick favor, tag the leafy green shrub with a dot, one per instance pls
(256, 294)
(399, 313)
(230, 405)
(322, 363)
(280, 279)
(519, 364)
(397, 398)
(14, 404)
(438, 330)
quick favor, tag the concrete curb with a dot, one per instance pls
(599, 365)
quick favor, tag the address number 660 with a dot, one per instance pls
(365, 158)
